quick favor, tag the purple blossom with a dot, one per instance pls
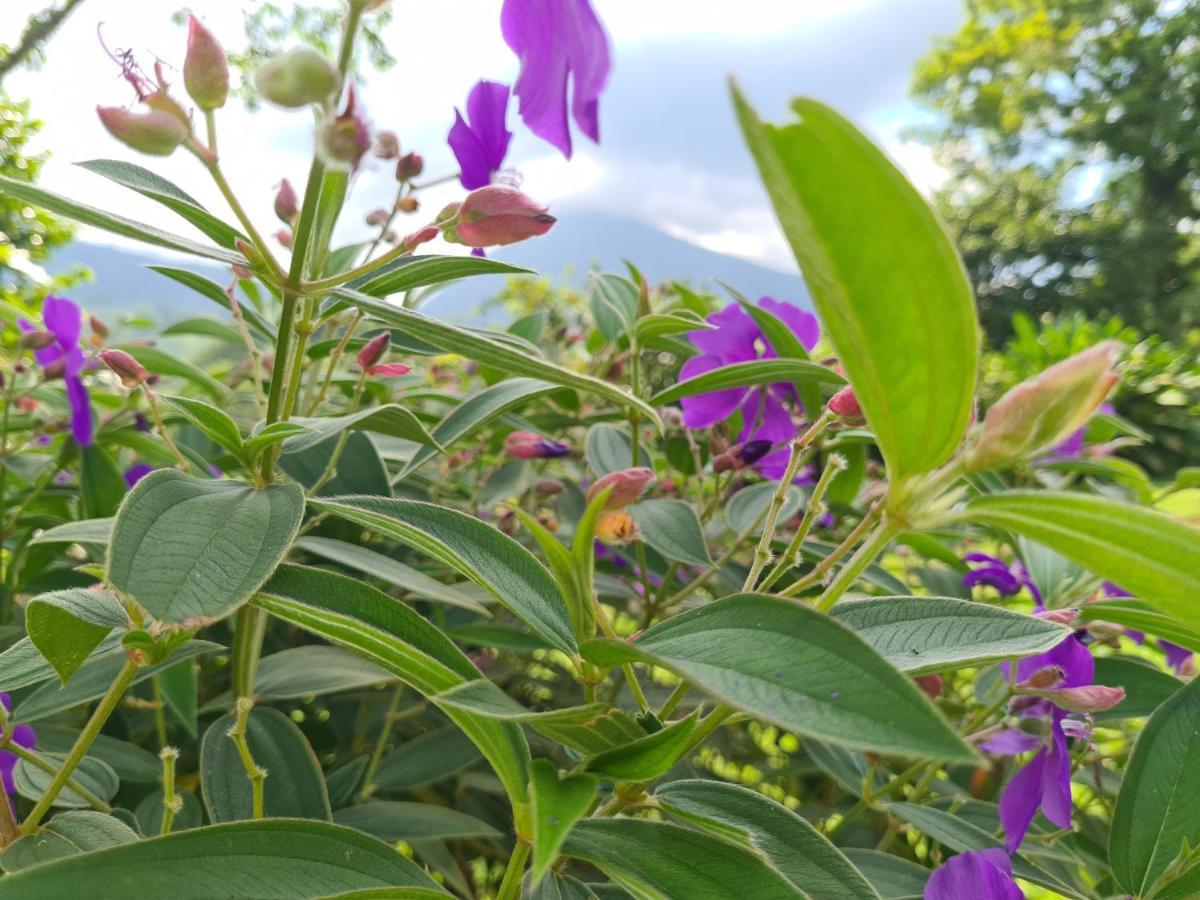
(137, 472)
(22, 736)
(557, 40)
(1044, 781)
(736, 338)
(974, 875)
(480, 141)
(1006, 578)
(64, 320)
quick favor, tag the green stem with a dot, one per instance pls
(160, 711)
(710, 724)
(172, 802)
(249, 625)
(816, 506)
(214, 169)
(630, 675)
(673, 701)
(389, 720)
(343, 438)
(334, 358)
(510, 887)
(863, 557)
(9, 389)
(825, 566)
(256, 773)
(83, 743)
(161, 427)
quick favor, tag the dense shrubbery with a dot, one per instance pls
(656, 593)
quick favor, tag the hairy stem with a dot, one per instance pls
(816, 506)
(172, 802)
(385, 733)
(510, 887)
(256, 773)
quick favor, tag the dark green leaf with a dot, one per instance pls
(67, 834)
(215, 423)
(1146, 688)
(312, 670)
(557, 805)
(893, 877)
(411, 272)
(88, 531)
(91, 773)
(649, 756)
(425, 759)
(393, 820)
(129, 761)
(179, 692)
(759, 371)
(392, 420)
(609, 449)
(749, 505)
(673, 529)
(360, 469)
(163, 363)
(214, 292)
(1140, 617)
(67, 626)
(101, 484)
(614, 305)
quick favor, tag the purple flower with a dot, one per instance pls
(64, 320)
(1006, 578)
(557, 40)
(1045, 781)
(23, 736)
(736, 338)
(974, 875)
(137, 472)
(480, 142)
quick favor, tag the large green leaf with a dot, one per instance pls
(66, 626)
(489, 350)
(216, 293)
(1150, 555)
(268, 859)
(294, 787)
(1156, 807)
(411, 272)
(490, 558)
(933, 634)
(673, 529)
(557, 805)
(392, 420)
(88, 215)
(395, 820)
(801, 670)
(648, 757)
(426, 759)
(360, 468)
(759, 371)
(312, 670)
(666, 862)
(67, 834)
(93, 774)
(797, 850)
(890, 290)
(193, 550)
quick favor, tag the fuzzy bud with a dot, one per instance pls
(496, 215)
(205, 69)
(98, 327)
(377, 217)
(387, 145)
(548, 487)
(844, 405)
(409, 166)
(373, 350)
(615, 526)
(287, 204)
(627, 485)
(124, 366)
(343, 139)
(297, 78)
(156, 132)
(1091, 698)
(284, 236)
(527, 445)
(930, 685)
(408, 204)
(1042, 411)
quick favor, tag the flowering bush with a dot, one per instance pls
(394, 608)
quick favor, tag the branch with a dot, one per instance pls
(39, 30)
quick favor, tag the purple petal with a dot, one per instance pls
(1056, 778)
(764, 418)
(1138, 637)
(64, 319)
(137, 472)
(733, 337)
(706, 410)
(974, 875)
(480, 142)
(804, 325)
(1177, 657)
(81, 411)
(473, 169)
(1010, 743)
(1020, 800)
(1069, 655)
(1002, 580)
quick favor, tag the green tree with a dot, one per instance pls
(1069, 129)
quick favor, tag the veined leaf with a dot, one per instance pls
(312, 670)
(746, 374)
(1141, 617)
(86, 531)
(164, 363)
(673, 529)
(216, 293)
(215, 423)
(394, 820)
(426, 759)
(610, 449)
(614, 305)
(557, 805)
(66, 626)
(901, 316)
(392, 420)
(411, 272)
(649, 757)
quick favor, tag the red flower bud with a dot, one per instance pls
(844, 404)
(930, 685)
(205, 69)
(409, 166)
(373, 350)
(496, 215)
(421, 236)
(155, 132)
(287, 204)
(124, 366)
(627, 485)
(297, 78)
(99, 328)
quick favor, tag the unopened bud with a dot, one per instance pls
(930, 685)
(496, 215)
(297, 78)
(1059, 616)
(408, 204)
(284, 236)
(1091, 698)
(409, 166)
(205, 68)
(421, 236)
(627, 485)
(548, 487)
(98, 326)
(124, 366)
(377, 216)
(387, 145)
(527, 445)
(844, 404)
(1043, 679)
(739, 456)
(1042, 411)
(342, 139)
(615, 526)
(373, 350)
(155, 132)
(287, 204)
(37, 340)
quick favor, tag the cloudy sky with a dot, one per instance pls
(669, 155)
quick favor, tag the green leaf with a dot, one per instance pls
(900, 317)
(490, 351)
(557, 806)
(474, 412)
(313, 670)
(67, 626)
(179, 688)
(673, 529)
(201, 327)
(23, 664)
(579, 602)
(387, 569)
(214, 292)
(268, 859)
(594, 734)
(662, 861)
(215, 423)
(272, 434)
(656, 326)
(748, 505)
(1156, 807)
(163, 363)
(101, 485)
(193, 550)
(360, 468)
(745, 374)
(796, 668)
(1150, 555)
(1146, 688)
(1137, 615)
(87, 531)
(88, 215)
(294, 787)
(157, 188)
(411, 272)
(790, 844)
(149, 812)
(934, 634)
(491, 559)
(610, 449)
(485, 699)
(394, 820)
(91, 773)
(426, 759)
(614, 305)
(392, 420)
(893, 877)
(648, 757)
(67, 834)
(129, 761)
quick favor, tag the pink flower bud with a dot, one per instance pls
(496, 215)
(37, 340)
(287, 204)
(297, 78)
(156, 132)
(343, 139)
(1059, 616)
(930, 685)
(387, 145)
(389, 370)
(124, 366)
(99, 328)
(527, 445)
(284, 236)
(409, 166)
(377, 216)
(205, 69)
(615, 527)
(1042, 411)
(1091, 698)
(844, 405)
(373, 350)
(627, 485)
(421, 236)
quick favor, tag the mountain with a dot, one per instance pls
(123, 289)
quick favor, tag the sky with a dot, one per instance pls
(670, 154)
